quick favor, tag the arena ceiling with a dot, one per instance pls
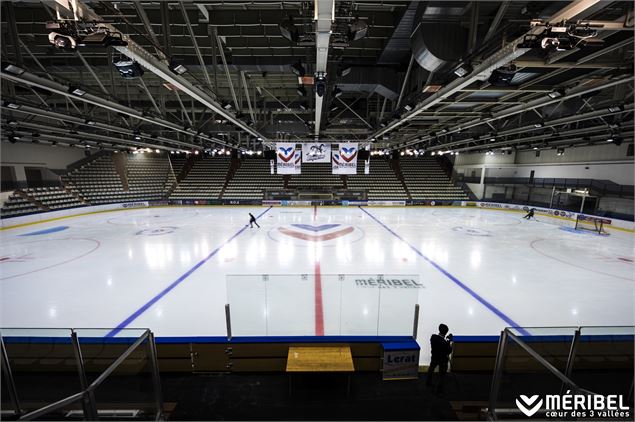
(434, 76)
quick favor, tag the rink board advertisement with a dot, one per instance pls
(400, 364)
(345, 159)
(316, 153)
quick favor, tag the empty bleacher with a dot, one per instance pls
(382, 182)
(205, 179)
(54, 198)
(251, 178)
(316, 175)
(99, 182)
(147, 176)
(425, 179)
(17, 205)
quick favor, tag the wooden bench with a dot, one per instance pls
(320, 359)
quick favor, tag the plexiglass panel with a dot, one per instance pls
(323, 304)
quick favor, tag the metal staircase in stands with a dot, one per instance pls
(233, 168)
(394, 165)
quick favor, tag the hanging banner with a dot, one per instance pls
(286, 155)
(367, 166)
(316, 153)
(345, 159)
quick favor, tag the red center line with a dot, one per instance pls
(319, 308)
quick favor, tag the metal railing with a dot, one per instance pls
(604, 187)
(87, 394)
(508, 335)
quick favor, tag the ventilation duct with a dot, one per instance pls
(435, 44)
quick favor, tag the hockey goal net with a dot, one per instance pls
(594, 224)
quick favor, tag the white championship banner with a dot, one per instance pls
(345, 159)
(286, 157)
(316, 153)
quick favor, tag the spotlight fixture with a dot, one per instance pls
(463, 70)
(129, 69)
(298, 69)
(337, 92)
(357, 30)
(89, 122)
(226, 105)
(615, 108)
(557, 93)
(343, 71)
(13, 138)
(301, 90)
(137, 136)
(75, 90)
(502, 76)
(11, 68)
(409, 107)
(289, 31)
(560, 151)
(12, 105)
(538, 125)
(176, 66)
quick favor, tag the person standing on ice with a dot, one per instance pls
(530, 214)
(252, 221)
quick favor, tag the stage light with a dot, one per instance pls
(615, 109)
(337, 92)
(560, 151)
(226, 105)
(320, 84)
(502, 76)
(343, 71)
(538, 125)
(12, 105)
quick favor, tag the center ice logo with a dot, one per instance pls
(316, 233)
(286, 154)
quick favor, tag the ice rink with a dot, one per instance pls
(168, 269)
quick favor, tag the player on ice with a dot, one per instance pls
(252, 221)
(530, 214)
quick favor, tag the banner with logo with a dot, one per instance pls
(345, 159)
(286, 157)
(316, 153)
(400, 363)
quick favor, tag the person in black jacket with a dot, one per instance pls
(441, 345)
(530, 214)
(252, 221)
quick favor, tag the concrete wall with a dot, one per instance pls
(21, 155)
